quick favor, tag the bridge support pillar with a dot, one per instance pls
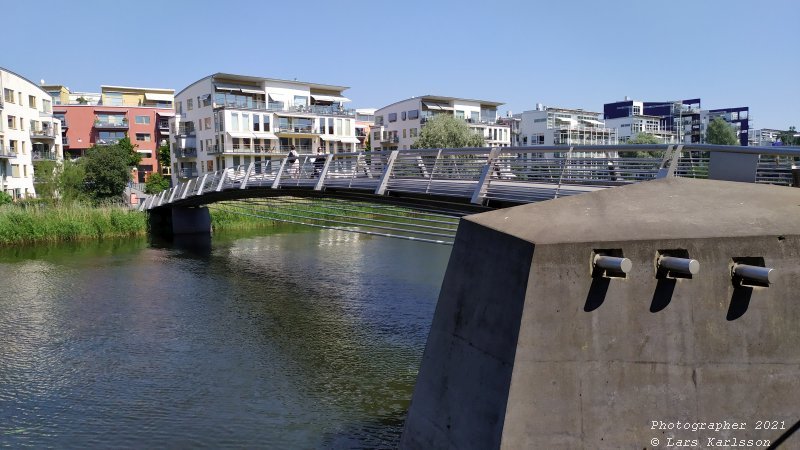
(532, 347)
(179, 220)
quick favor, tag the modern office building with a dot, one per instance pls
(28, 133)
(629, 127)
(398, 125)
(764, 137)
(225, 120)
(548, 125)
(684, 118)
(104, 118)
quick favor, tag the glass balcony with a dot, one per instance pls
(111, 124)
(7, 152)
(187, 173)
(107, 141)
(43, 155)
(290, 128)
(43, 133)
(186, 152)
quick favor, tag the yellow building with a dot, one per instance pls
(133, 96)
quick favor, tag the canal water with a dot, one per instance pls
(293, 338)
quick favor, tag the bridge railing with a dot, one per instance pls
(507, 174)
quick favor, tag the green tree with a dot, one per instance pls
(644, 138)
(720, 132)
(134, 157)
(5, 198)
(156, 183)
(789, 138)
(107, 171)
(47, 174)
(446, 131)
(72, 181)
(164, 156)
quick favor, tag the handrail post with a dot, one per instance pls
(384, 181)
(199, 190)
(433, 170)
(188, 188)
(486, 172)
(321, 181)
(222, 180)
(247, 175)
(563, 170)
(277, 183)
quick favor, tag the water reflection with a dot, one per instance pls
(301, 340)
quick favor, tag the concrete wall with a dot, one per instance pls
(595, 360)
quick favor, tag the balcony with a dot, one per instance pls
(112, 141)
(7, 152)
(390, 139)
(123, 124)
(186, 152)
(43, 133)
(242, 149)
(185, 131)
(187, 173)
(163, 125)
(304, 129)
(47, 155)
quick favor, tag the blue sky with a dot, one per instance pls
(577, 54)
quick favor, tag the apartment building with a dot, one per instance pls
(225, 120)
(365, 118)
(631, 126)
(684, 118)
(548, 125)
(103, 118)
(398, 125)
(28, 133)
(764, 137)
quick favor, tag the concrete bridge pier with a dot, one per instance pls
(179, 220)
(580, 322)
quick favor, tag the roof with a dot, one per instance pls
(669, 208)
(29, 81)
(103, 88)
(235, 77)
(439, 98)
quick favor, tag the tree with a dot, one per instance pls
(164, 156)
(644, 139)
(5, 198)
(720, 132)
(72, 181)
(82, 101)
(134, 157)
(107, 171)
(47, 174)
(446, 131)
(790, 137)
(156, 183)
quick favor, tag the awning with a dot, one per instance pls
(238, 88)
(166, 113)
(264, 135)
(350, 140)
(250, 90)
(346, 140)
(329, 98)
(437, 106)
(328, 137)
(566, 119)
(241, 134)
(158, 97)
(592, 121)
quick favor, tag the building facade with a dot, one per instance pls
(225, 120)
(28, 133)
(90, 119)
(764, 137)
(685, 119)
(547, 125)
(365, 118)
(397, 126)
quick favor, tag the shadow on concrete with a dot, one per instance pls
(740, 301)
(782, 438)
(597, 293)
(663, 294)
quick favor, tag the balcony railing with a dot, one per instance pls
(7, 152)
(185, 131)
(44, 133)
(65, 141)
(187, 173)
(43, 155)
(113, 141)
(295, 129)
(391, 139)
(106, 125)
(162, 125)
(255, 149)
(321, 110)
(186, 152)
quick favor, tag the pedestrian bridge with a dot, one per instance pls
(440, 185)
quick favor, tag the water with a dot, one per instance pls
(295, 339)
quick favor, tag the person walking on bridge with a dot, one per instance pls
(294, 163)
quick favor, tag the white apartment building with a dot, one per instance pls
(398, 125)
(28, 133)
(225, 120)
(547, 125)
(365, 117)
(630, 127)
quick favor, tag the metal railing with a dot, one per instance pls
(502, 176)
(7, 152)
(187, 173)
(101, 124)
(48, 133)
(296, 129)
(43, 156)
(185, 152)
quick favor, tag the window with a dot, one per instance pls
(338, 127)
(412, 132)
(143, 119)
(459, 114)
(32, 101)
(12, 122)
(378, 121)
(8, 95)
(206, 99)
(207, 121)
(474, 116)
(404, 133)
(376, 136)
(256, 122)
(144, 137)
(322, 125)
(266, 123)
(234, 122)
(47, 106)
(179, 108)
(114, 98)
(413, 114)
(330, 126)
(189, 104)
(246, 122)
(403, 115)
(300, 100)
(392, 117)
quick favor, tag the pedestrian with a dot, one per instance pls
(319, 162)
(294, 163)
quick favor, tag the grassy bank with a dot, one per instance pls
(222, 219)
(49, 223)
